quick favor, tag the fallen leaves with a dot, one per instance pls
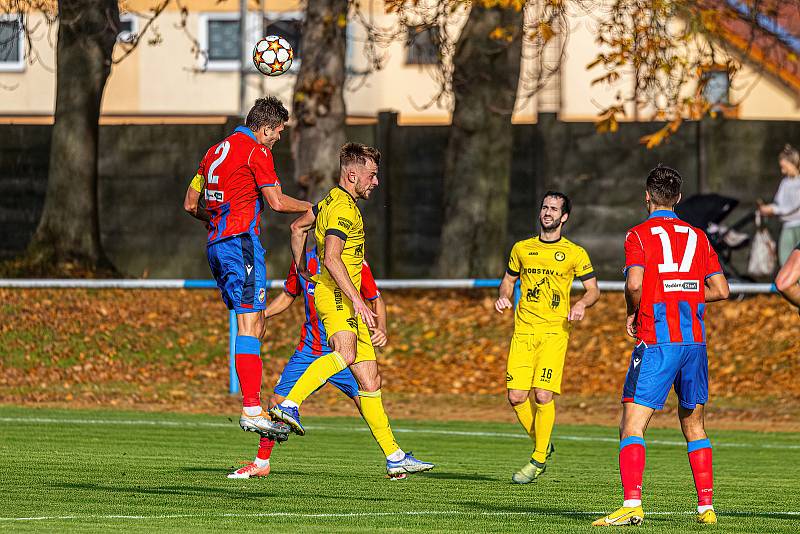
(161, 347)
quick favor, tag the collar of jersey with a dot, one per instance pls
(247, 131)
(346, 191)
(663, 213)
(550, 242)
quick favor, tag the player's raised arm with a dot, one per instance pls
(334, 245)
(300, 228)
(282, 203)
(717, 288)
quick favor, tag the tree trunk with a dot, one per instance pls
(319, 97)
(486, 68)
(69, 230)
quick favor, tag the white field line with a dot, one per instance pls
(299, 515)
(508, 435)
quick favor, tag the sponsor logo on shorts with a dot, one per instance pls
(688, 286)
(249, 269)
(262, 294)
(216, 196)
(337, 299)
(352, 322)
(636, 362)
(509, 378)
(560, 256)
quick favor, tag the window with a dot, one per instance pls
(218, 35)
(422, 46)
(12, 43)
(128, 28)
(289, 29)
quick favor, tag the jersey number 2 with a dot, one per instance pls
(224, 147)
(669, 265)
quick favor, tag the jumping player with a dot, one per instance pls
(672, 271)
(547, 265)
(236, 173)
(313, 344)
(346, 317)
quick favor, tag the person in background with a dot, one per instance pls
(786, 204)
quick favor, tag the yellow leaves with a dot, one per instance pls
(544, 31)
(502, 34)
(516, 5)
(607, 121)
(342, 20)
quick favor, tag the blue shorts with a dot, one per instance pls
(297, 365)
(238, 266)
(654, 369)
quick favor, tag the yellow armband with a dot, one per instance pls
(197, 183)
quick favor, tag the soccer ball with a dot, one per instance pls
(273, 55)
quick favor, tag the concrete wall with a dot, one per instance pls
(145, 170)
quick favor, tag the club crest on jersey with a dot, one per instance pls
(688, 286)
(262, 294)
(560, 256)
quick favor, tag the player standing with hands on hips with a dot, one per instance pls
(672, 271)
(547, 265)
(238, 175)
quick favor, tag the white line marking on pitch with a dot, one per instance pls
(185, 424)
(365, 514)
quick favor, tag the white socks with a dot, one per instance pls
(252, 411)
(632, 503)
(703, 509)
(396, 456)
(289, 404)
(261, 463)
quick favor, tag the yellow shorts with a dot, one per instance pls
(337, 314)
(536, 361)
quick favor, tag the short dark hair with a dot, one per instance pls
(566, 203)
(358, 153)
(268, 112)
(664, 185)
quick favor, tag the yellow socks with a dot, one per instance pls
(378, 422)
(543, 428)
(525, 416)
(317, 374)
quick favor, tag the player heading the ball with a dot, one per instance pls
(237, 176)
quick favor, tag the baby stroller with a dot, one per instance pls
(707, 211)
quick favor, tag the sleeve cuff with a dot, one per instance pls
(712, 274)
(587, 276)
(377, 295)
(315, 209)
(338, 233)
(512, 272)
(628, 267)
(274, 184)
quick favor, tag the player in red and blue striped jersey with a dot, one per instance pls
(238, 178)
(672, 271)
(313, 344)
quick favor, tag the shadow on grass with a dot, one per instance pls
(456, 476)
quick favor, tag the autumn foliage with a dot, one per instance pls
(166, 348)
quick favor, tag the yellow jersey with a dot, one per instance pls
(337, 214)
(546, 271)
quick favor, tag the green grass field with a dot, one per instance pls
(71, 470)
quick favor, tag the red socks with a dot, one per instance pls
(249, 369)
(631, 466)
(265, 448)
(700, 458)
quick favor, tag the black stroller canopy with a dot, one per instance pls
(701, 210)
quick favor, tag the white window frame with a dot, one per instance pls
(254, 26)
(125, 36)
(19, 65)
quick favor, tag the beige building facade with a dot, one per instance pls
(192, 73)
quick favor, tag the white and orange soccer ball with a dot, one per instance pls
(273, 55)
